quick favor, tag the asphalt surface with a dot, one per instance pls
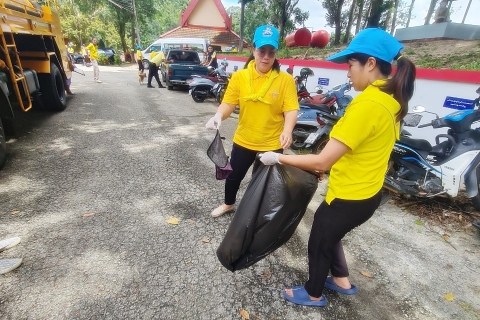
(90, 190)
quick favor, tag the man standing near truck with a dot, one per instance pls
(92, 53)
(153, 69)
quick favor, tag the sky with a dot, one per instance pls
(317, 20)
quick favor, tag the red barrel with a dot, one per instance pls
(299, 38)
(320, 39)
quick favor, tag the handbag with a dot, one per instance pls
(216, 153)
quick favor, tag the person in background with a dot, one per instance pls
(153, 66)
(234, 49)
(357, 155)
(7, 265)
(70, 49)
(268, 111)
(211, 58)
(139, 58)
(92, 54)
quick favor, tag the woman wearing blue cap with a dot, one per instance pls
(357, 156)
(268, 111)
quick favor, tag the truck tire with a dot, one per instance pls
(53, 89)
(3, 146)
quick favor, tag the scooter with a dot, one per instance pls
(418, 169)
(314, 122)
(202, 87)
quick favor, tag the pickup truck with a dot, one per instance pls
(179, 66)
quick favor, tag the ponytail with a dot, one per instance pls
(402, 84)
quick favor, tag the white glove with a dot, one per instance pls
(269, 158)
(214, 122)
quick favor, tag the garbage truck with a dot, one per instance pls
(33, 63)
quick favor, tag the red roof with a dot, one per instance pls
(215, 35)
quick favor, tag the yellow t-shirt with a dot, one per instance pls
(369, 128)
(260, 124)
(158, 58)
(139, 55)
(153, 54)
(70, 50)
(92, 51)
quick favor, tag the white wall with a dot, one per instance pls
(429, 93)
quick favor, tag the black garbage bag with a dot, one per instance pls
(271, 209)
(217, 154)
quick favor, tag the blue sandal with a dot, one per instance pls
(301, 297)
(331, 285)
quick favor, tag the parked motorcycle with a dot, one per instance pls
(314, 122)
(416, 168)
(202, 87)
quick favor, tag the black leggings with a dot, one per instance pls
(241, 160)
(331, 223)
(140, 65)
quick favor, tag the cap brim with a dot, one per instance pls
(340, 57)
(266, 43)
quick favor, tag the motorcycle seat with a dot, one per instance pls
(422, 146)
(320, 107)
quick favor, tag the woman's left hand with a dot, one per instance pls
(286, 139)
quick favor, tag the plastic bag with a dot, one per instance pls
(271, 209)
(217, 154)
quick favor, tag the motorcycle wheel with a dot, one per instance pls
(476, 200)
(197, 96)
(320, 144)
(297, 144)
(219, 95)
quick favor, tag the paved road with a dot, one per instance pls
(90, 191)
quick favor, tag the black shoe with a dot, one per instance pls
(161, 86)
(150, 86)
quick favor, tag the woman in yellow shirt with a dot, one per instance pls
(357, 153)
(268, 111)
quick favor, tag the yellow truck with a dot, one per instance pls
(33, 62)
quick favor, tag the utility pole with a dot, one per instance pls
(466, 11)
(136, 23)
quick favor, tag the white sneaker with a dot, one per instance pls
(220, 211)
(98, 81)
(7, 265)
(9, 243)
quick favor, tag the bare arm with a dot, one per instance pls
(290, 121)
(332, 152)
(225, 109)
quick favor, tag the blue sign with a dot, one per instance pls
(323, 81)
(458, 103)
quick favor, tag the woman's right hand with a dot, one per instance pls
(214, 122)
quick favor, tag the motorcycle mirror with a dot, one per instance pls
(418, 109)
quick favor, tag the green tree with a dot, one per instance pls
(334, 17)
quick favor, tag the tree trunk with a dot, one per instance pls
(242, 26)
(361, 4)
(350, 22)
(338, 22)
(433, 3)
(410, 13)
(394, 18)
(365, 21)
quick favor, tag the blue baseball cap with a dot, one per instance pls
(139, 47)
(153, 48)
(266, 35)
(374, 42)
